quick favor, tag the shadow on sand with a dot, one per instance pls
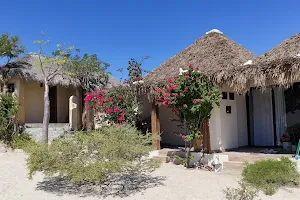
(117, 186)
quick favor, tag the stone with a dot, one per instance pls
(3, 150)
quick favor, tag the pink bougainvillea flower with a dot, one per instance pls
(172, 86)
(183, 137)
(186, 73)
(170, 80)
(116, 109)
(195, 101)
(108, 99)
(121, 119)
(184, 105)
(158, 90)
(197, 68)
(120, 97)
(110, 110)
(101, 103)
(167, 95)
(187, 77)
(88, 97)
(175, 95)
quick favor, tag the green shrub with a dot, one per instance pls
(269, 175)
(243, 192)
(8, 119)
(23, 141)
(93, 156)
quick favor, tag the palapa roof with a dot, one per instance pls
(212, 53)
(27, 68)
(280, 66)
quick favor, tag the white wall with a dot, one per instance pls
(215, 129)
(229, 130)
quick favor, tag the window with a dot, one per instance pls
(231, 96)
(224, 95)
(11, 87)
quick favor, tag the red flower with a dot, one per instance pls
(116, 109)
(195, 101)
(175, 95)
(186, 73)
(190, 66)
(110, 110)
(187, 77)
(108, 99)
(158, 90)
(184, 105)
(121, 119)
(89, 97)
(120, 97)
(170, 80)
(101, 103)
(183, 137)
(197, 68)
(172, 86)
(167, 95)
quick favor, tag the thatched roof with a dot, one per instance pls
(212, 53)
(279, 66)
(27, 68)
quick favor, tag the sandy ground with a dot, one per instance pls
(168, 182)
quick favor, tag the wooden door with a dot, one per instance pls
(53, 104)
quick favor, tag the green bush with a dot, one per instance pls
(8, 119)
(243, 192)
(23, 141)
(93, 156)
(270, 175)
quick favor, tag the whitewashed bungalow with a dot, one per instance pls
(272, 85)
(227, 127)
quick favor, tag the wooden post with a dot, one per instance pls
(206, 136)
(155, 126)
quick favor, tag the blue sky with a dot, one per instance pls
(117, 30)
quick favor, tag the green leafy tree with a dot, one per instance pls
(50, 66)
(91, 74)
(89, 70)
(10, 47)
(191, 97)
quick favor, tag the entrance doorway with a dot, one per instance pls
(53, 104)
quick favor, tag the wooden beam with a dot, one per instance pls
(155, 126)
(206, 136)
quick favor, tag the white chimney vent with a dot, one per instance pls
(214, 31)
(249, 62)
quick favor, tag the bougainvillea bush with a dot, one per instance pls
(117, 104)
(191, 97)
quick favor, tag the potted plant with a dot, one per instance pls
(294, 135)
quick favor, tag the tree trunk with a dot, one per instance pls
(46, 117)
(80, 109)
